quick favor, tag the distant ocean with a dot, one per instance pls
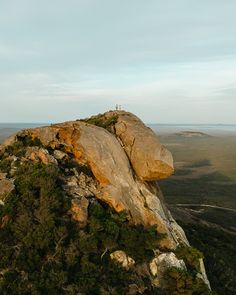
(6, 129)
(20, 125)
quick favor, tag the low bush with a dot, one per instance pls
(190, 256)
(182, 282)
(44, 251)
(101, 121)
(5, 165)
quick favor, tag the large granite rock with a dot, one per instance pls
(125, 158)
(109, 156)
(149, 159)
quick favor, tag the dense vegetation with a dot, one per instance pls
(182, 282)
(43, 251)
(219, 248)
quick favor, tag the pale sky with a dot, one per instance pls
(168, 61)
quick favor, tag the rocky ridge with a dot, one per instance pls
(118, 161)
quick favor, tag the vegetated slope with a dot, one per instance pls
(217, 240)
(81, 214)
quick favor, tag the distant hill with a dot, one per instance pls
(192, 134)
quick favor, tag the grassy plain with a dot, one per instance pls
(205, 173)
(205, 170)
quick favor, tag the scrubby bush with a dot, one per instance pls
(219, 248)
(72, 163)
(18, 148)
(5, 165)
(28, 140)
(101, 121)
(182, 282)
(44, 251)
(190, 256)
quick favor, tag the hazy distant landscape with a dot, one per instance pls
(207, 163)
(6, 129)
(202, 194)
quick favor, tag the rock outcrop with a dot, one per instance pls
(122, 258)
(125, 162)
(125, 159)
(79, 210)
(40, 154)
(150, 160)
(162, 262)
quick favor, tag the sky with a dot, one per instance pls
(167, 61)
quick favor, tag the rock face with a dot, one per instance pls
(149, 159)
(162, 262)
(122, 258)
(40, 154)
(79, 210)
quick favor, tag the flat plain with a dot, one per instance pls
(201, 196)
(205, 170)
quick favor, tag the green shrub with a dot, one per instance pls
(28, 140)
(18, 148)
(219, 248)
(190, 256)
(72, 163)
(180, 281)
(5, 165)
(101, 121)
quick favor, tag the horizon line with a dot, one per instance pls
(148, 123)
